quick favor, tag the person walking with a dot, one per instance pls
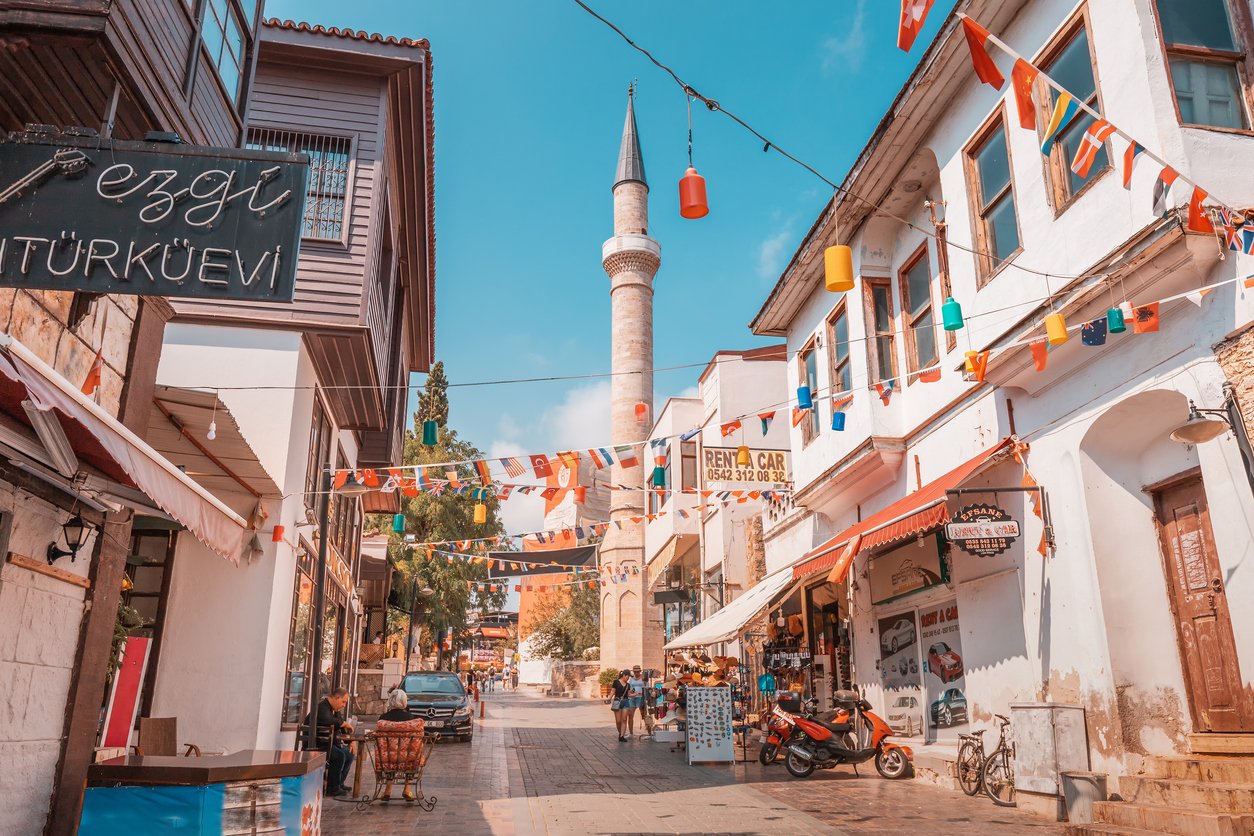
(513, 678)
(635, 698)
(646, 686)
(618, 703)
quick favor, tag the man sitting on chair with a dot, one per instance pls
(339, 758)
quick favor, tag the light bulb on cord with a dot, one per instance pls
(213, 431)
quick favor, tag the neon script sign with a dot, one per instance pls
(80, 213)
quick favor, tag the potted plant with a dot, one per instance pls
(607, 677)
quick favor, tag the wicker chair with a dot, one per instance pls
(399, 752)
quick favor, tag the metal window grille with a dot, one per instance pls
(328, 176)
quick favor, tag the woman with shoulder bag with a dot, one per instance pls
(618, 703)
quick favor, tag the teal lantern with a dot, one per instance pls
(951, 314)
(398, 523)
(659, 477)
(430, 433)
(1114, 321)
(803, 397)
(838, 420)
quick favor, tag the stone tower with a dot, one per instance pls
(629, 635)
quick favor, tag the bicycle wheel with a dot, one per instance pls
(970, 768)
(999, 778)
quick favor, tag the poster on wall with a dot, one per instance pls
(710, 725)
(900, 674)
(944, 673)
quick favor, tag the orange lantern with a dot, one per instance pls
(692, 202)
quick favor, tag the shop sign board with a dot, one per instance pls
(150, 219)
(984, 530)
(709, 725)
(766, 466)
(905, 570)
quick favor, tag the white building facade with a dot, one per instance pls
(1122, 595)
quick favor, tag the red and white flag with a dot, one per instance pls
(1090, 144)
(913, 15)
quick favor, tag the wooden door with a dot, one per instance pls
(1207, 648)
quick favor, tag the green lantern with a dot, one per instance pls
(398, 523)
(659, 477)
(951, 314)
(1114, 321)
(430, 433)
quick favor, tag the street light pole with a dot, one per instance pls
(312, 686)
(409, 631)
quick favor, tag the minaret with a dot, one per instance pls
(631, 258)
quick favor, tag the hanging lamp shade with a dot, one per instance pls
(581, 494)
(743, 457)
(398, 523)
(951, 314)
(1115, 323)
(659, 476)
(642, 411)
(804, 401)
(1056, 329)
(970, 361)
(838, 420)
(277, 535)
(430, 433)
(481, 513)
(838, 268)
(692, 202)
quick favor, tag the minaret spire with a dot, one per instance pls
(630, 160)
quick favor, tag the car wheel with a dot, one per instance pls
(894, 645)
(946, 716)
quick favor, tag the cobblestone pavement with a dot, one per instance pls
(550, 766)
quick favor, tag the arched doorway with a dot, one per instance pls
(1171, 646)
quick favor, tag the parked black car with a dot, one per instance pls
(440, 698)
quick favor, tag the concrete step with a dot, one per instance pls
(1209, 796)
(1176, 821)
(1105, 830)
(1225, 770)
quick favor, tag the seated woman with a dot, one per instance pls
(398, 718)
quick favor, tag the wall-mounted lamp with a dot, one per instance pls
(1199, 428)
(75, 530)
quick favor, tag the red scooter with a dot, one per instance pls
(853, 735)
(781, 727)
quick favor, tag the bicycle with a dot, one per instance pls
(998, 772)
(970, 766)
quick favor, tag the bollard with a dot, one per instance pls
(481, 710)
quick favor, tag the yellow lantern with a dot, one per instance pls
(481, 513)
(1056, 329)
(743, 459)
(838, 268)
(970, 358)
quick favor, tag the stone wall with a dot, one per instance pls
(1236, 358)
(574, 679)
(366, 699)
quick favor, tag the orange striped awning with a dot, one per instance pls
(921, 511)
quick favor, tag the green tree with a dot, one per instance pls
(438, 518)
(567, 624)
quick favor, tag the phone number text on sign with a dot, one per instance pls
(766, 466)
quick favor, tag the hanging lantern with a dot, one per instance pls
(743, 457)
(398, 523)
(277, 535)
(659, 477)
(581, 494)
(970, 361)
(838, 268)
(1114, 321)
(430, 433)
(804, 400)
(1056, 329)
(642, 412)
(481, 513)
(838, 420)
(692, 202)
(951, 314)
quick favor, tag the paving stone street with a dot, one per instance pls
(539, 765)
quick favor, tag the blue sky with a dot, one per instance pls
(529, 104)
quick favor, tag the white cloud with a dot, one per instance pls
(848, 49)
(771, 253)
(580, 420)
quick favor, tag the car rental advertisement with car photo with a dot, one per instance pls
(944, 676)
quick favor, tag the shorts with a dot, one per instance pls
(632, 702)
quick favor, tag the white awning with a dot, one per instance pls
(727, 623)
(99, 439)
